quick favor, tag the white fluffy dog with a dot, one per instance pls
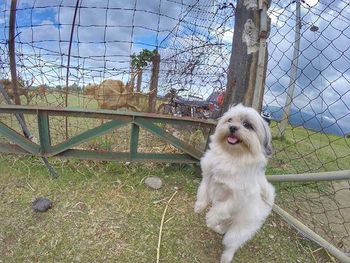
(234, 179)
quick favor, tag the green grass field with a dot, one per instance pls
(103, 212)
(304, 151)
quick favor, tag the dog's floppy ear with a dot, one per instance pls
(267, 139)
(268, 148)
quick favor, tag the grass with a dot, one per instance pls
(104, 213)
(303, 151)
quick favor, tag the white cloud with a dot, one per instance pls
(104, 52)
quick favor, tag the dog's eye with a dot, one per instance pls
(247, 125)
(229, 120)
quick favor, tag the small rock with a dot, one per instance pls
(271, 236)
(153, 182)
(35, 140)
(41, 204)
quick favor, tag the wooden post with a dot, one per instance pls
(12, 54)
(265, 23)
(245, 81)
(154, 82)
(139, 80)
(68, 63)
(131, 84)
(138, 87)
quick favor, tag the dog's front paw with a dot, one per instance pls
(226, 257)
(200, 206)
(220, 229)
(212, 221)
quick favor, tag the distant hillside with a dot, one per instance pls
(308, 121)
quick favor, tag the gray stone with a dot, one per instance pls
(153, 182)
(41, 204)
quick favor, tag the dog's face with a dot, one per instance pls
(242, 130)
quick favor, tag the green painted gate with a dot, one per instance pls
(19, 144)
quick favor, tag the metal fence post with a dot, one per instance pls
(293, 74)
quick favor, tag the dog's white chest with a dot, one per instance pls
(232, 186)
(219, 191)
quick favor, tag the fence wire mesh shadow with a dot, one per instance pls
(80, 54)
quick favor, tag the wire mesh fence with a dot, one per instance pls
(317, 138)
(321, 94)
(99, 54)
(192, 37)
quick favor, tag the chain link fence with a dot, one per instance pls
(98, 54)
(317, 137)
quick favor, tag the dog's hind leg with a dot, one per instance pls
(219, 213)
(236, 236)
(222, 227)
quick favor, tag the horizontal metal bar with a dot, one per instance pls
(19, 139)
(125, 156)
(94, 155)
(166, 157)
(107, 114)
(13, 149)
(144, 123)
(86, 136)
(107, 156)
(184, 121)
(308, 233)
(335, 175)
(310, 177)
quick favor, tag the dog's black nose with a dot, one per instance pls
(233, 129)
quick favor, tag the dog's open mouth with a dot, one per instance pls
(233, 140)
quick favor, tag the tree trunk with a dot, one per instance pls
(154, 83)
(139, 80)
(131, 84)
(138, 87)
(12, 54)
(245, 81)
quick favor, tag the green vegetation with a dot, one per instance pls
(104, 213)
(142, 59)
(304, 151)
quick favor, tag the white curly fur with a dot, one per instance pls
(234, 181)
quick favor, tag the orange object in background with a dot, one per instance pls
(220, 99)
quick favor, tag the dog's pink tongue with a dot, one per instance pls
(232, 139)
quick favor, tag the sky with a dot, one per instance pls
(104, 36)
(104, 39)
(194, 39)
(323, 76)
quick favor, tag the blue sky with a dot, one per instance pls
(104, 39)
